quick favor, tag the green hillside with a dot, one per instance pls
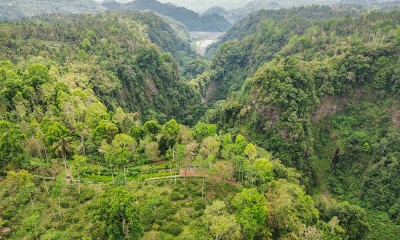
(321, 95)
(112, 128)
(115, 55)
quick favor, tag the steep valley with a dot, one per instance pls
(125, 125)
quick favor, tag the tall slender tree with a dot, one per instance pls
(61, 148)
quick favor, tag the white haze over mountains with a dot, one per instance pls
(201, 5)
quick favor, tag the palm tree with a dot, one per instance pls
(61, 148)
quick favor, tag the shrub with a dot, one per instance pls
(172, 228)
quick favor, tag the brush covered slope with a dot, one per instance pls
(76, 163)
(107, 176)
(114, 55)
(302, 146)
(321, 95)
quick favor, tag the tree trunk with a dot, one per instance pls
(36, 233)
(79, 183)
(123, 226)
(59, 207)
(125, 175)
(202, 188)
(39, 149)
(30, 196)
(65, 164)
(47, 156)
(173, 158)
(335, 160)
(176, 167)
(112, 175)
(83, 145)
(170, 170)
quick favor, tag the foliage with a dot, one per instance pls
(310, 109)
(203, 130)
(252, 212)
(320, 94)
(152, 127)
(117, 216)
(10, 144)
(108, 55)
(221, 224)
(284, 198)
(121, 150)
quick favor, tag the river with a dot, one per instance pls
(204, 39)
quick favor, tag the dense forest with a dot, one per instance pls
(20, 9)
(320, 94)
(114, 56)
(113, 128)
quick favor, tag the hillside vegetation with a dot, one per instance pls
(77, 163)
(114, 56)
(322, 95)
(112, 128)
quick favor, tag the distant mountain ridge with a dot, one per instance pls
(257, 5)
(234, 15)
(18, 9)
(192, 20)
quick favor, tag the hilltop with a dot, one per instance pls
(12, 10)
